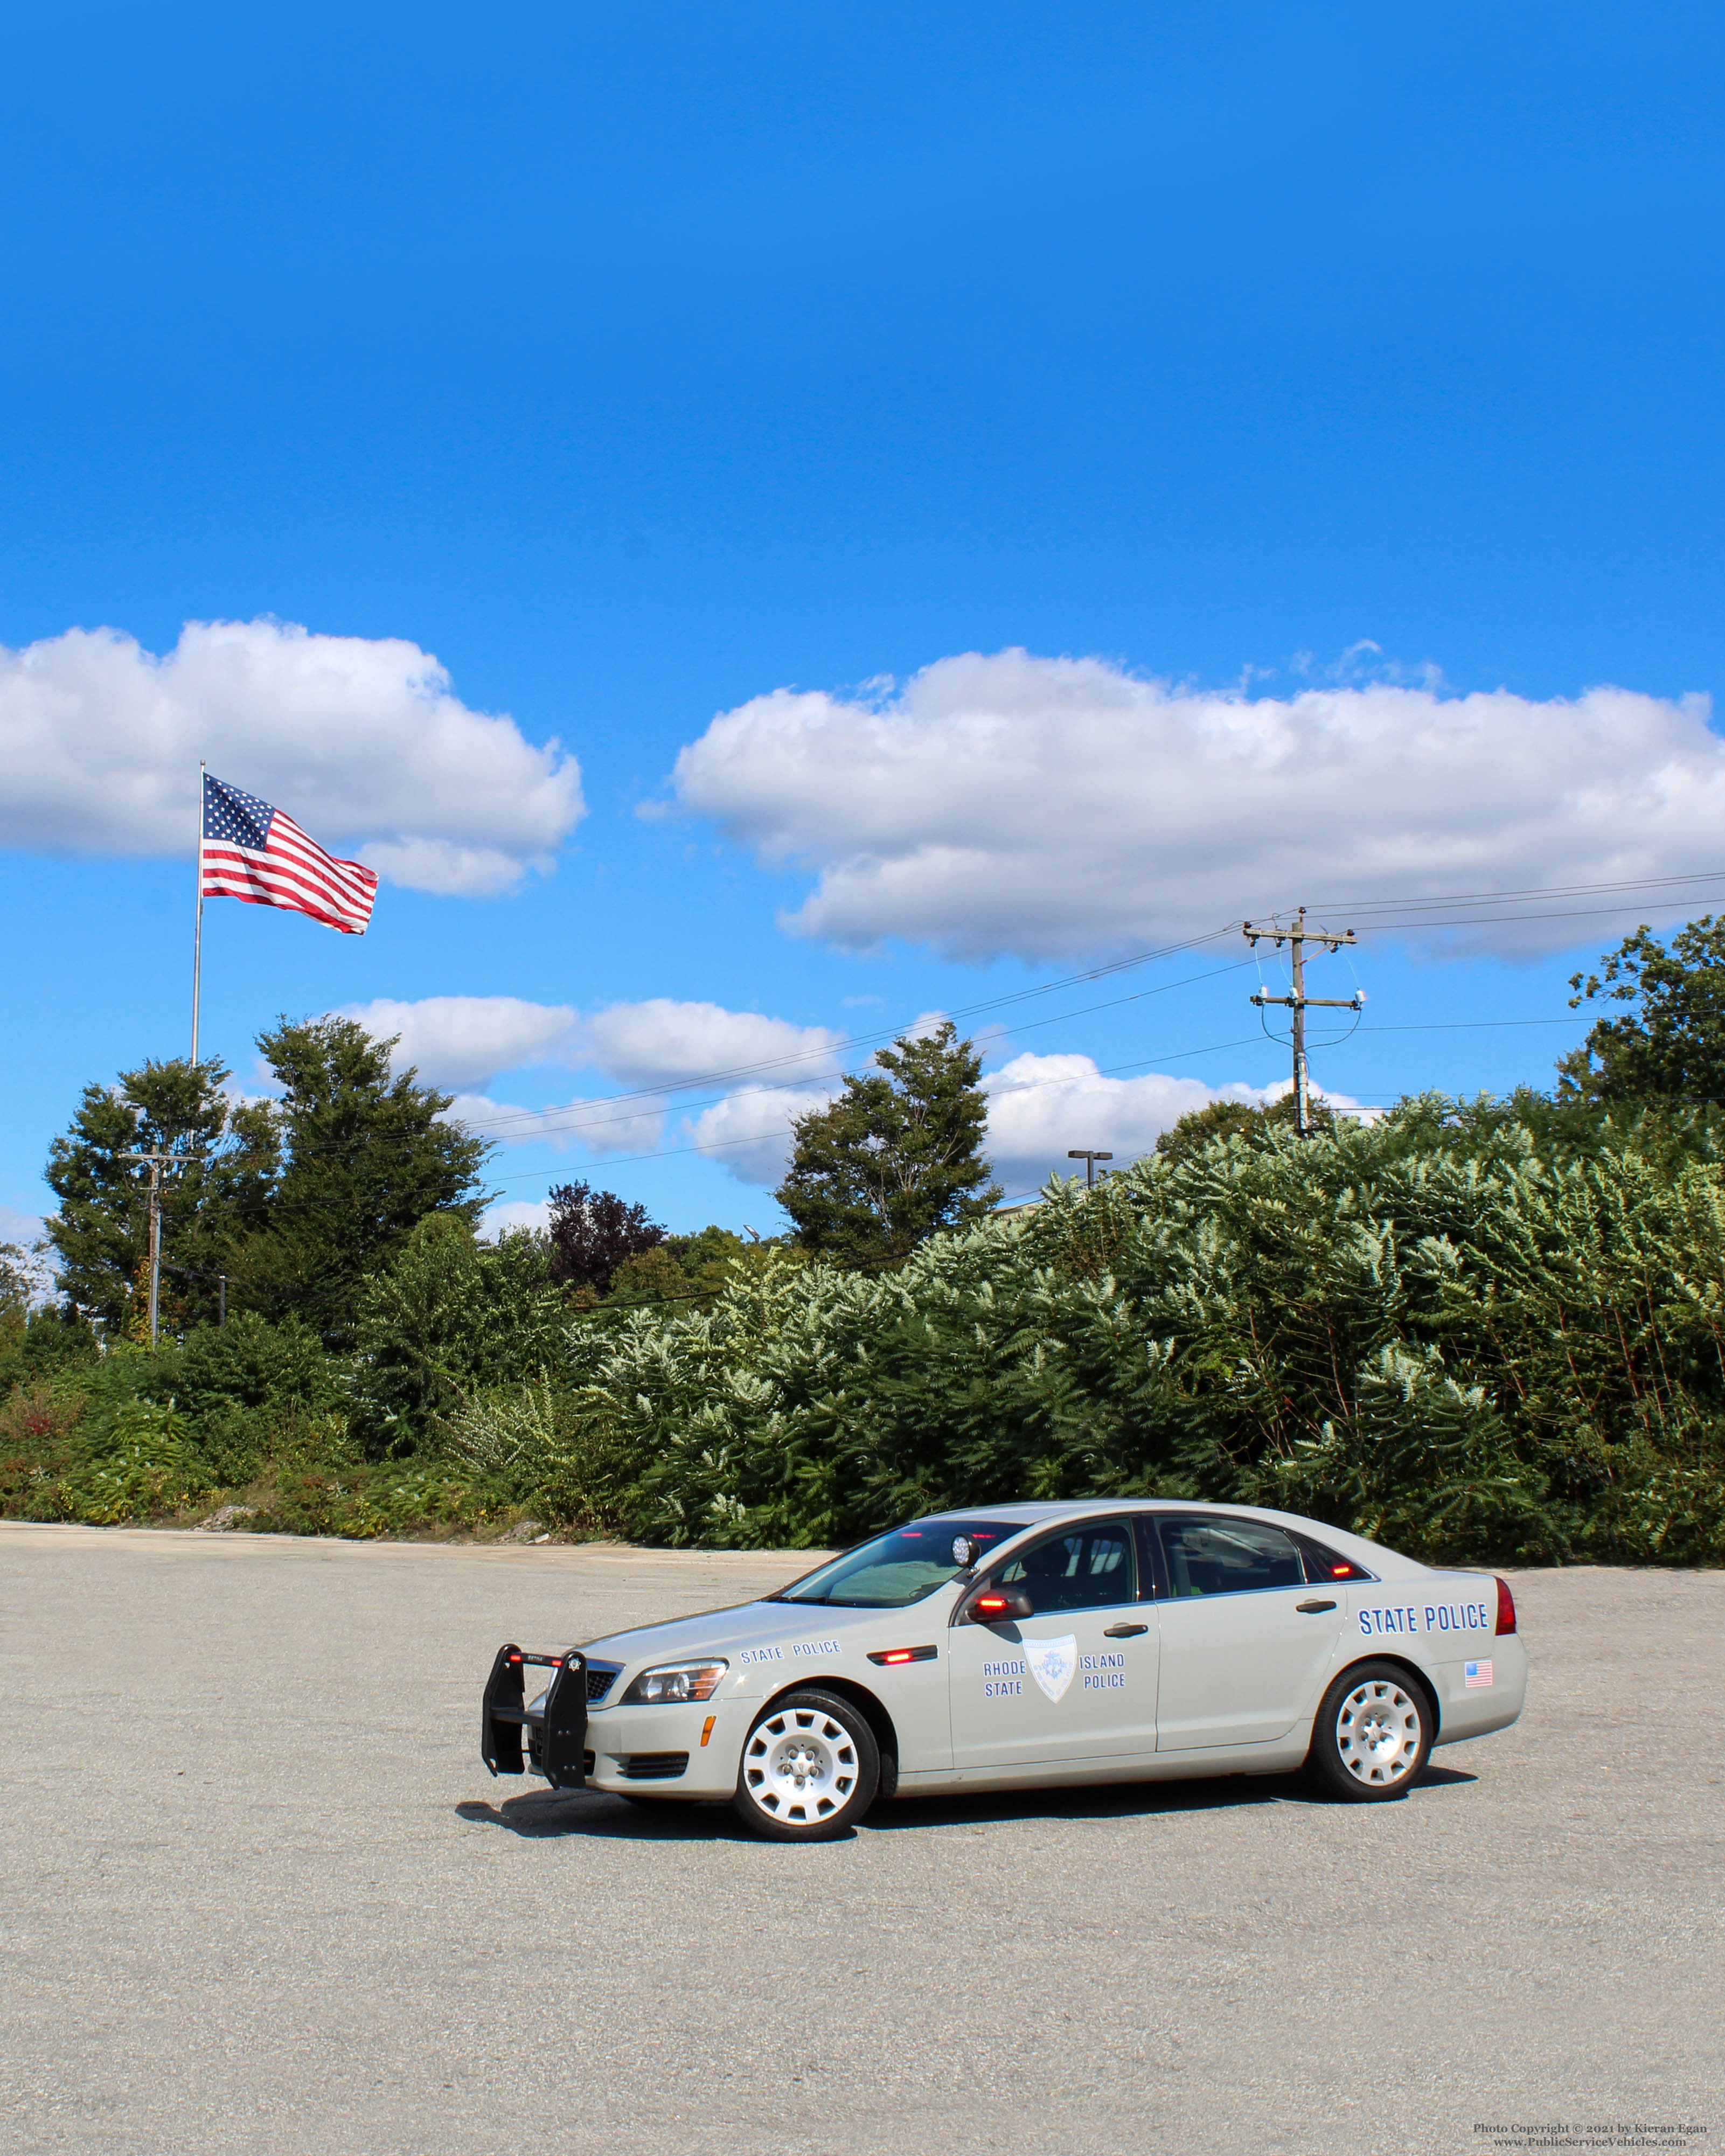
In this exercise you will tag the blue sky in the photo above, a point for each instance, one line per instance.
(1327, 366)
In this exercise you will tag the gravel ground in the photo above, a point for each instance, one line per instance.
(259, 1896)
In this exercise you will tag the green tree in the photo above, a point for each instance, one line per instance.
(652, 1276)
(216, 1191)
(1672, 1046)
(361, 1159)
(1224, 1119)
(897, 1158)
(452, 1315)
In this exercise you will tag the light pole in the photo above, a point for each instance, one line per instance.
(1090, 1160)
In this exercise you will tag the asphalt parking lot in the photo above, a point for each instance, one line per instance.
(259, 1894)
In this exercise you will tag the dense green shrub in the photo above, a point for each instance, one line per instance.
(1489, 1331)
(1430, 1330)
(452, 1315)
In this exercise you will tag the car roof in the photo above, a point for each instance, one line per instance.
(1040, 1510)
(1036, 1510)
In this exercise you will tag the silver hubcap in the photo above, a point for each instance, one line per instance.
(799, 1766)
(1377, 1733)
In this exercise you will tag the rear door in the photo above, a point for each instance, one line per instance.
(1075, 1681)
(1246, 1642)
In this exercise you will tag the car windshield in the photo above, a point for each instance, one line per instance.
(902, 1567)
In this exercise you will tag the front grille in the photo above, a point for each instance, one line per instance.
(652, 1766)
(598, 1683)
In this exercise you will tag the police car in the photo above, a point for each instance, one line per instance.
(1021, 1646)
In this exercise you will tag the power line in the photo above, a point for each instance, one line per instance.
(1530, 890)
(834, 1049)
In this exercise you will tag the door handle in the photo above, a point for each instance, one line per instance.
(1132, 1631)
(1304, 1608)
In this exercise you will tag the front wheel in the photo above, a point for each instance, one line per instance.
(1371, 1735)
(810, 1767)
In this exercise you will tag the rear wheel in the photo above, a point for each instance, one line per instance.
(810, 1767)
(1372, 1734)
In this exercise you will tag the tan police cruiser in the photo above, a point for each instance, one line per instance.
(1018, 1647)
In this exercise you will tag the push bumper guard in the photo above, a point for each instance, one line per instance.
(556, 1732)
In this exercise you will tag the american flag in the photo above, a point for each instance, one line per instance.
(252, 851)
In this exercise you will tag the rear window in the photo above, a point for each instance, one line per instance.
(1324, 1567)
(902, 1567)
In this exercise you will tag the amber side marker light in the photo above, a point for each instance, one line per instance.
(706, 1728)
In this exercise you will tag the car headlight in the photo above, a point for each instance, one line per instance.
(674, 1682)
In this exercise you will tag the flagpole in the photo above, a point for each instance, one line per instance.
(197, 935)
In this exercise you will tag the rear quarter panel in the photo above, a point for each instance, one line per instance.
(1445, 1623)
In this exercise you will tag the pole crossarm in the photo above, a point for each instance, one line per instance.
(1313, 1002)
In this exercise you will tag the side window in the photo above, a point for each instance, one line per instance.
(1228, 1557)
(1324, 1567)
(1087, 1568)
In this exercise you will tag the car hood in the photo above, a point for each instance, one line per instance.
(755, 1623)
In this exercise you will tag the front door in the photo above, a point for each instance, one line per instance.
(1076, 1681)
(1245, 1643)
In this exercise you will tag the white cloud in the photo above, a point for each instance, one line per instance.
(1038, 1107)
(461, 1041)
(595, 1126)
(23, 1229)
(1058, 807)
(1041, 1105)
(749, 1133)
(514, 1213)
(359, 739)
(661, 1042)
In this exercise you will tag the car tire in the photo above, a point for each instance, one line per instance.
(810, 1767)
(1372, 1734)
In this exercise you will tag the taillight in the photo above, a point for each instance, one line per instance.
(1506, 1609)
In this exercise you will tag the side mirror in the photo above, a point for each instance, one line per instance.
(994, 1605)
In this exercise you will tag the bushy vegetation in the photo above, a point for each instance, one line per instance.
(1488, 1332)
(1492, 1332)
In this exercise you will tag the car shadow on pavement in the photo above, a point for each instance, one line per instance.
(549, 1814)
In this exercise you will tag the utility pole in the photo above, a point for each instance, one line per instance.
(1090, 1160)
(1297, 938)
(155, 1161)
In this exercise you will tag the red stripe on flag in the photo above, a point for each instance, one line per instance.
(286, 836)
(278, 878)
